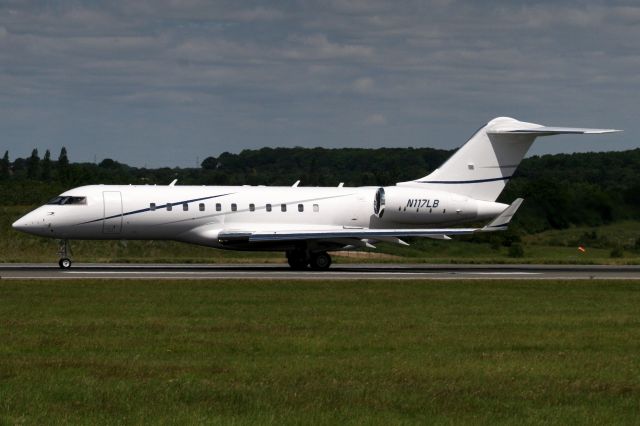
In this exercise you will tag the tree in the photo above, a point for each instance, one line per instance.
(46, 166)
(5, 166)
(108, 163)
(63, 165)
(209, 163)
(33, 165)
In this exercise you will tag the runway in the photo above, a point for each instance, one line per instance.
(337, 272)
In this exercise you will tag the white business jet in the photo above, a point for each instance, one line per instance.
(304, 222)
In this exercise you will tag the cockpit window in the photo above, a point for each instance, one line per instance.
(56, 200)
(76, 200)
(68, 200)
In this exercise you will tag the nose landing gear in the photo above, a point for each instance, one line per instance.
(64, 252)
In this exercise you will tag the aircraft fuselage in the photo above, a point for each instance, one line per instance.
(194, 213)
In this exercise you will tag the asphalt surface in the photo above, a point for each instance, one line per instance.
(337, 272)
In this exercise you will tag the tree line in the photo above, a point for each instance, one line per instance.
(559, 190)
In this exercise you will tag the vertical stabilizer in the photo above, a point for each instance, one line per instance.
(482, 167)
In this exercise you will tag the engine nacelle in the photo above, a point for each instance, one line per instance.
(407, 205)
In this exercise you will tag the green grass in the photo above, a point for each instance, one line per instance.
(624, 233)
(356, 352)
(461, 252)
(552, 247)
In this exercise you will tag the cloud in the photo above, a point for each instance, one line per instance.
(308, 72)
(375, 120)
(363, 85)
(318, 46)
(258, 14)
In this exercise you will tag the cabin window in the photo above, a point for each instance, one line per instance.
(218, 207)
(234, 207)
(300, 207)
(268, 207)
(252, 207)
(152, 207)
(185, 207)
(201, 207)
(316, 208)
(169, 207)
(283, 207)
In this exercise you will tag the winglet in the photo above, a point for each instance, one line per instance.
(503, 219)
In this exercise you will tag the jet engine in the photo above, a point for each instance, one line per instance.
(413, 206)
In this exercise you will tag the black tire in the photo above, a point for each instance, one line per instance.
(297, 260)
(297, 263)
(64, 263)
(320, 261)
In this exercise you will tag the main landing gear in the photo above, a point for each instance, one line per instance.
(299, 259)
(64, 252)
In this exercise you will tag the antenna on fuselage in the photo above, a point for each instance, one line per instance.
(295, 185)
(341, 184)
(173, 183)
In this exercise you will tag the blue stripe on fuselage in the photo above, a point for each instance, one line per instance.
(156, 208)
(455, 182)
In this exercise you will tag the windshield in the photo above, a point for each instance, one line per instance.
(68, 200)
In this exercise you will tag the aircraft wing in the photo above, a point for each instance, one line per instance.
(342, 233)
(346, 233)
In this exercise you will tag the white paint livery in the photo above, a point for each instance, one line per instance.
(305, 222)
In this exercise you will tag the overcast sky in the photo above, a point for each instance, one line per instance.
(168, 82)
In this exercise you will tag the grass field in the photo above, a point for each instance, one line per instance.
(354, 352)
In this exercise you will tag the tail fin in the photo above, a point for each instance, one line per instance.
(482, 167)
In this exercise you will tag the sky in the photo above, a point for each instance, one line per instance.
(171, 82)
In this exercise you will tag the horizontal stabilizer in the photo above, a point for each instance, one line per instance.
(548, 131)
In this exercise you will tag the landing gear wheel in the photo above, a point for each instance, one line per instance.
(320, 261)
(64, 251)
(297, 263)
(297, 260)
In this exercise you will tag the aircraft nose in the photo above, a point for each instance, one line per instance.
(20, 224)
(27, 223)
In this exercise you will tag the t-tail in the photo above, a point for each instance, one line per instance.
(482, 167)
